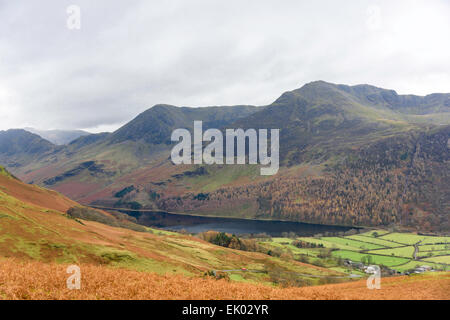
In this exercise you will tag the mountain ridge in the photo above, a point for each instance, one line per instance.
(58, 137)
(325, 131)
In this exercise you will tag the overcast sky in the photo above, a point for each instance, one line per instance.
(130, 55)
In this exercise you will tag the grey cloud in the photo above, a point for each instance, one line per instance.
(128, 56)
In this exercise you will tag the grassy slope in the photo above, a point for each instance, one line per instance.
(39, 230)
(113, 260)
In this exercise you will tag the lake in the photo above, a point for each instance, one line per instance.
(196, 224)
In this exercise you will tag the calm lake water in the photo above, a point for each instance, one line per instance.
(194, 224)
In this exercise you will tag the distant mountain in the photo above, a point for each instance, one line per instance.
(322, 120)
(88, 140)
(19, 147)
(156, 124)
(59, 137)
(410, 104)
(17, 141)
(352, 155)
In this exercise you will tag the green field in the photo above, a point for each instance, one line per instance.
(376, 259)
(381, 242)
(285, 244)
(393, 250)
(434, 247)
(441, 259)
(410, 239)
(353, 243)
(380, 232)
(427, 254)
(282, 240)
(433, 240)
(328, 244)
(406, 252)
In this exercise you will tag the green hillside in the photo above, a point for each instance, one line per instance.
(350, 155)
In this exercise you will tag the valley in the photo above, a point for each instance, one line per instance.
(228, 155)
(349, 155)
(362, 181)
(42, 232)
(35, 226)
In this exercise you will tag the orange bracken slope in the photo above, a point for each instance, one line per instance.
(37, 280)
(34, 195)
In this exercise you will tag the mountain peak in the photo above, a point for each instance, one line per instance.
(21, 142)
(156, 124)
(322, 92)
(58, 137)
(22, 134)
(311, 93)
(162, 106)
